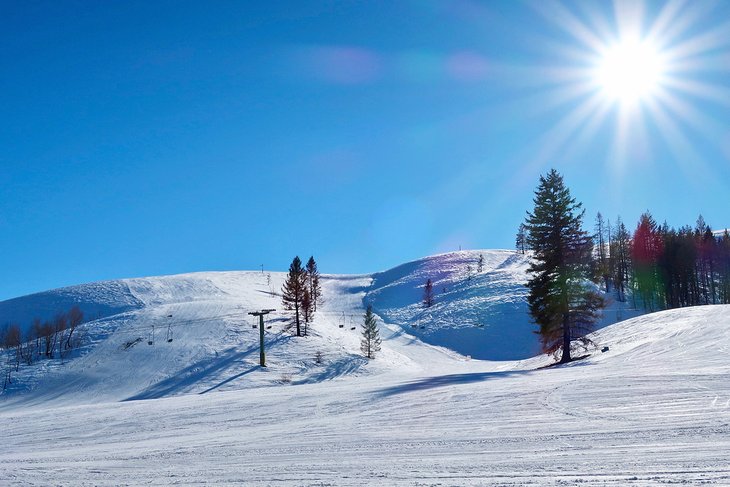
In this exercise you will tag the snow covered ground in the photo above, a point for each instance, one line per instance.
(654, 409)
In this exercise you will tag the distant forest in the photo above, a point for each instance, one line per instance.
(659, 267)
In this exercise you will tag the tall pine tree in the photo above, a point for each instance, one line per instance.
(428, 294)
(647, 248)
(315, 288)
(723, 246)
(307, 308)
(293, 291)
(521, 238)
(602, 252)
(620, 256)
(561, 299)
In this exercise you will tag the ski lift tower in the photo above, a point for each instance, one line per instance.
(260, 314)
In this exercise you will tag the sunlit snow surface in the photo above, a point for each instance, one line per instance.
(654, 409)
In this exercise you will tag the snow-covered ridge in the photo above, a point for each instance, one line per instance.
(486, 304)
(479, 313)
(214, 339)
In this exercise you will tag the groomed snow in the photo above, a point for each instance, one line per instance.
(654, 409)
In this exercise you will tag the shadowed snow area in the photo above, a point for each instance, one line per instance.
(482, 314)
(653, 409)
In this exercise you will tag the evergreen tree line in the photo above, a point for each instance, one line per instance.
(656, 266)
(302, 293)
(659, 267)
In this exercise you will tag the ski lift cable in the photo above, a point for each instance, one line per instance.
(347, 318)
(186, 322)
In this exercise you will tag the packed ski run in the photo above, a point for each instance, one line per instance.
(166, 388)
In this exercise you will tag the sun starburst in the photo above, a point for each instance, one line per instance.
(646, 71)
(630, 71)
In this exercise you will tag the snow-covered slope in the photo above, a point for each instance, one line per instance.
(652, 410)
(214, 345)
(479, 312)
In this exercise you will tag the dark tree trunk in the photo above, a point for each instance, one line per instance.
(296, 318)
(566, 341)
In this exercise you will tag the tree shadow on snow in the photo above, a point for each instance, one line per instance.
(230, 379)
(447, 380)
(200, 370)
(344, 366)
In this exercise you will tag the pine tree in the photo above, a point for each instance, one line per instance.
(307, 308)
(521, 239)
(315, 288)
(646, 249)
(724, 265)
(710, 251)
(370, 342)
(428, 294)
(480, 263)
(621, 258)
(560, 298)
(602, 252)
(293, 291)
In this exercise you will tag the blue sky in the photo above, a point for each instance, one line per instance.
(145, 138)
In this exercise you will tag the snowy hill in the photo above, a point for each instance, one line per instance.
(213, 343)
(652, 410)
(478, 313)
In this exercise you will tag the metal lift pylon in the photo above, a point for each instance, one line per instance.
(262, 353)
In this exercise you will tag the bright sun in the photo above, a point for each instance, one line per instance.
(630, 71)
(646, 69)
